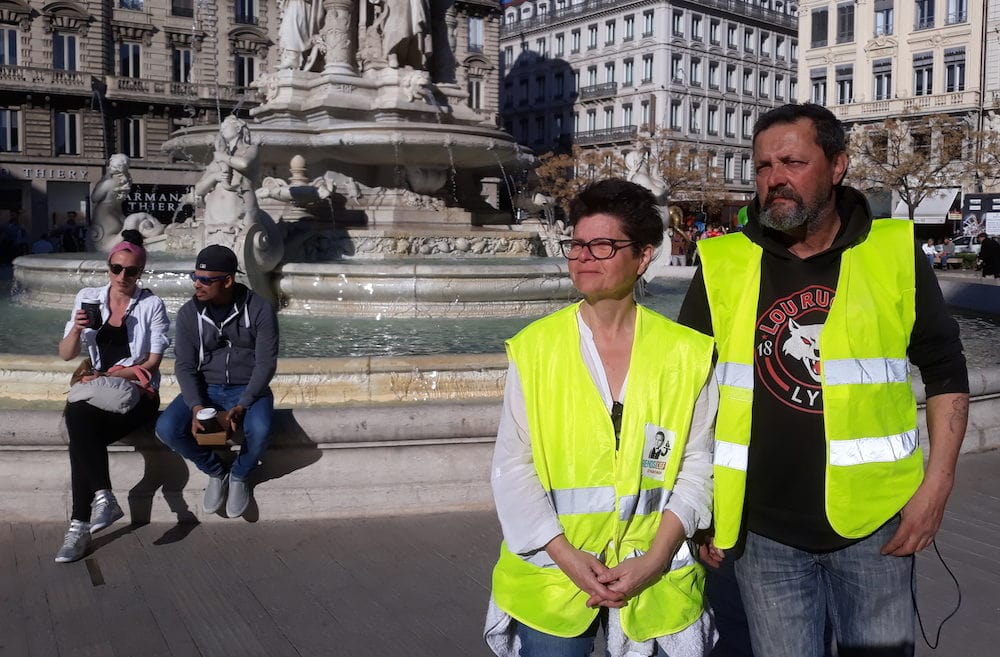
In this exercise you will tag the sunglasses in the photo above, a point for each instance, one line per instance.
(130, 272)
(207, 280)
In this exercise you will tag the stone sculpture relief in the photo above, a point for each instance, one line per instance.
(399, 33)
(298, 34)
(637, 171)
(106, 200)
(232, 217)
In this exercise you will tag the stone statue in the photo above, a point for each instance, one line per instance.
(403, 26)
(300, 22)
(106, 200)
(232, 217)
(637, 171)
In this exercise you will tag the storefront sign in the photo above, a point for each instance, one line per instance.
(43, 173)
(161, 201)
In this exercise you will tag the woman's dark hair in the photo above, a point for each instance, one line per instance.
(634, 207)
(830, 135)
(132, 236)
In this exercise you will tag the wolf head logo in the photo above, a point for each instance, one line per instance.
(803, 345)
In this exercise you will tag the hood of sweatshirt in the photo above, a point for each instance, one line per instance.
(855, 222)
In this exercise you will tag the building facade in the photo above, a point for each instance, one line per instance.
(908, 59)
(81, 80)
(600, 73)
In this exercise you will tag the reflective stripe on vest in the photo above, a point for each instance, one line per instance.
(884, 449)
(736, 375)
(731, 455)
(598, 499)
(649, 500)
(849, 371)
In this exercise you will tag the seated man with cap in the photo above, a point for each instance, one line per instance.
(226, 352)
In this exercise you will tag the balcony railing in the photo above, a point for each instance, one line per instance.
(26, 77)
(946, 102)
(596, 91)
(607, 136)
(588, 7)
(139, 88)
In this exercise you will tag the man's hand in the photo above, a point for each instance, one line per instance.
(235, 416)
(196, 426)
(920, 519)
(583, 569)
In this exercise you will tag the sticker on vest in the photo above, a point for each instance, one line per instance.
(656, 451)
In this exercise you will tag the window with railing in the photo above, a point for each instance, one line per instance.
(677, 23)
(883, 17)
(609, 33)
(882, 79)
(820, 30)
(246, 12)
(696, 31)
(748, 40)
(713, 120)
(923, 74)
(731, 37)
(675, 115)
(730, 122)
(9, 38)
(134, 5)
(729, 170)
(763, 85)
(695, 70)
(64, 49)
(628, 73)
(647, 24)
(184, 8)
(924, 14)
(130, 60)
(713, 32)
(627, 115)
(66, 133)
(845, 23)
(713, 75)
(560, 45)
(475, 89)
(954, 69)
(845, 84)
(694, 118)
(10, 130)
(817, 86)
(629, 28)
(475, 34)
(647, 68)
(591, 37)
(779, 87)
(958, 11)
(747, 124)
(730, 78)
(130, 136)
(574, 42)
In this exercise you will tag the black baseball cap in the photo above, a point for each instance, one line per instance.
(216, 257)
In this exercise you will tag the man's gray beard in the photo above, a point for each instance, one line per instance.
(786, 223)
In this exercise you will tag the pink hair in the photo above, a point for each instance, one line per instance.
(135, 249)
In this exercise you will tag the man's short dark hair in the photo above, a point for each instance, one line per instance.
(830, 135)
(634, 207)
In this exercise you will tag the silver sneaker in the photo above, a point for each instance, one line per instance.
(215, 494)
(76, 542)
(104, 511)
(239, 497)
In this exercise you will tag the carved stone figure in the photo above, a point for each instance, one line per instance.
(403, 26)
(232, 217)
(300, 22)
(106, 200)
(637, 171)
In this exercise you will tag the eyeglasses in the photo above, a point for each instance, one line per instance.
(130, 272)
(601, 248)
(207, 280)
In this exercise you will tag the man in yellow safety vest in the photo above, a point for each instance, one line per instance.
(821, 494)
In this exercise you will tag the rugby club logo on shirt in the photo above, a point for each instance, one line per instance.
(788, 347)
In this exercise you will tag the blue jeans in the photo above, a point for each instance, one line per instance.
(788, 594)
(539, 644)
(174, 430)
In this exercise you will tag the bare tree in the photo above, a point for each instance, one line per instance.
(911, 156)
(563, 175)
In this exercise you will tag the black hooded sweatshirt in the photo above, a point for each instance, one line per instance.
(786, 470)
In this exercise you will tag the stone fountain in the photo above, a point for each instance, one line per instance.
(390, 206)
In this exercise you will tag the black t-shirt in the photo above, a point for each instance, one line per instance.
(785, 498)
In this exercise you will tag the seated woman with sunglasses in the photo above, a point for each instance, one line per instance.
(602, 465)
(132, 333)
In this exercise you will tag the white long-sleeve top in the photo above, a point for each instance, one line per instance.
(527, 517)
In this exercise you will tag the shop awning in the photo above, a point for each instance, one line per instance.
(932, 210)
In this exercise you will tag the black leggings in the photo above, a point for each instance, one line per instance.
(91, 430)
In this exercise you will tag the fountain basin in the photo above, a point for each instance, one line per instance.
(491, 287)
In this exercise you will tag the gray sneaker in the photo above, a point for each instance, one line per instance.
(104, 511)
(76, 542)
(215, 494)
(239, 497)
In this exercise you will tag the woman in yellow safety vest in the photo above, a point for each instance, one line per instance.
(602, 466)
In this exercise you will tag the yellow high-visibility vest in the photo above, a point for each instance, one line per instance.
(874, 462)
(606, 504)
